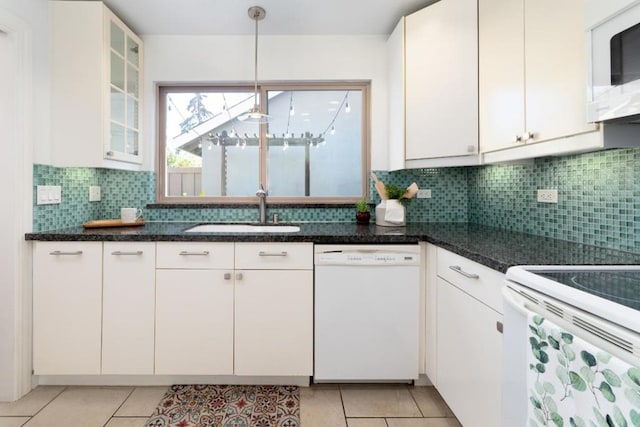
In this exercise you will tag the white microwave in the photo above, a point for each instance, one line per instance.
(614, 67)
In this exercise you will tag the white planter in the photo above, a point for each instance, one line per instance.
(390, 213)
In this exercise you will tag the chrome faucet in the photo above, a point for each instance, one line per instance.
(262, 204)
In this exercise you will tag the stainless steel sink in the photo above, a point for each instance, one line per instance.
(243, 228)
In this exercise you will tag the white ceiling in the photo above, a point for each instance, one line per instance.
(229, 17)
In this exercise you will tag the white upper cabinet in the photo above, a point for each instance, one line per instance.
(433, 86)
(96, 88)
(533, 78)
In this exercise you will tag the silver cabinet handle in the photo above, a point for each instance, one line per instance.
(65, 253)
(187, 253)
(238, 276)
(227, 276)
(528, 135)
(126, 253)
(262, 253)
(459, 270)
(499, 327)
(518, 138)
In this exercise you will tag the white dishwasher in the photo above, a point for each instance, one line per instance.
(366, 313)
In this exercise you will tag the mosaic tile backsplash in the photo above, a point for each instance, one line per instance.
(598, 198)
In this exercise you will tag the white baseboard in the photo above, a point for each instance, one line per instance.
(160, 380)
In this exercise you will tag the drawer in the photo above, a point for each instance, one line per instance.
(197, 255)
(486, 287)
(274, 256)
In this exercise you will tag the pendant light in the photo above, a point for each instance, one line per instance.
(254, 115)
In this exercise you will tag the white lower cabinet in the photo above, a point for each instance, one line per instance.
(469, 357)
(274, 322)
(194, 322)
(128, 307)
(468, 338)
(67, 308)
(234, 309)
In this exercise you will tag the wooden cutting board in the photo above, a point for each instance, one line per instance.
(106, 223)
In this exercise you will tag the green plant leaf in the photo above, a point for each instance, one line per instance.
(600, 418)
(550, 404)
(577, 382)
(612, 378)
(540, 416)
(562, 375)
(577, 422)
(587, 374)
(606, 391)
(619, 417)
(543, 345)
(535, 344)
(588, 358)
(603, 357)
(540, 368)
(554, 343)
(538, 320)
(557, 419)
(539, 388)
(549, 388)
(634, 374)
(533, 330)
(567, 337)
(635, 417)
(568, 351)
(633, 396)
(535, 402)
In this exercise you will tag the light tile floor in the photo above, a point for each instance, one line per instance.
(320, 405)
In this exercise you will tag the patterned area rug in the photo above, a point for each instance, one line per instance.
(228, 406)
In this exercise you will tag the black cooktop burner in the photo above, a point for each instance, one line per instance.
(622, 287)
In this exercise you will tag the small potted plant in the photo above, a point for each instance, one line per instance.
(362, 212)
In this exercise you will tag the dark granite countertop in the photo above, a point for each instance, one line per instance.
(495, 248)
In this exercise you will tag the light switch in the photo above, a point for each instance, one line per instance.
(94, 193)
(49, 194)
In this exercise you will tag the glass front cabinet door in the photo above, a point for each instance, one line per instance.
(125, 70)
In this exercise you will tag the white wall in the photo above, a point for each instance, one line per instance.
(24, 118)
(36, 14)
(174, 59)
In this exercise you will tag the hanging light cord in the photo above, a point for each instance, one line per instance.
(344, 100)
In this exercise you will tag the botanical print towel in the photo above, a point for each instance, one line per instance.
(572, 383)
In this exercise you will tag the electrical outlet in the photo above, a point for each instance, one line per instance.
(48, 194)
(94, 193)
(424, 194)
(548, 196)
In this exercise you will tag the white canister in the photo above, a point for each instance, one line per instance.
(391, 213)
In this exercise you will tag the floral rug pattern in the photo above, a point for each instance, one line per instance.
(228, 406)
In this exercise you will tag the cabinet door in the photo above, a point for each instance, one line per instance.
(555, 64)
(441, 80)
(396, 91)
(123, 56)
(194, 322)
(274, 322)
(501, 68)
(469, 357)
(128, 308)
(67, 302)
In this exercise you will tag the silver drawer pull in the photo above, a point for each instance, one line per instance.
(499, 327)
(194, 253)
(126, 253)
(239, 276)
(459, 270)
(227, 276)
(262, 253)
(65, 253)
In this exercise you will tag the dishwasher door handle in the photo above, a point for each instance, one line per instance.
(459, 270)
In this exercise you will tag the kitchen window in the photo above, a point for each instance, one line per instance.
(313, 149)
